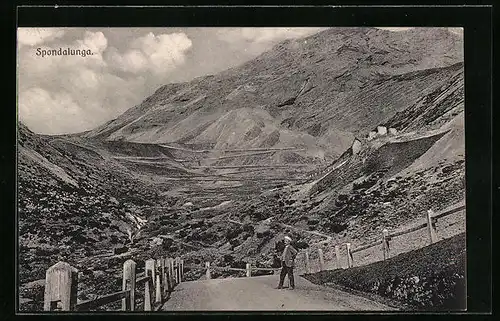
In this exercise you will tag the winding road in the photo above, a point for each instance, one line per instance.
(258, 293)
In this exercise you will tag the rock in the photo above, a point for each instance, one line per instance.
(393, 131)
(156, 241)
(371, 135)
(120, 249)
(356, 147)
(381, 130)
(263, 230)
(447, 169)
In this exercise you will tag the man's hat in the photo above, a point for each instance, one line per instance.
(288, 238)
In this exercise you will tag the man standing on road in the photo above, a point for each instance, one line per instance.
(287, 263)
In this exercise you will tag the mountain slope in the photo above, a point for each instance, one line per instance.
(207, 168)
(344, 81)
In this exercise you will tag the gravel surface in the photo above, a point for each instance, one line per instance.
(258, 293)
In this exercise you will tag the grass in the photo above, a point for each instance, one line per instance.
(431, 278)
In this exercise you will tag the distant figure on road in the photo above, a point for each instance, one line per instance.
(287, 263)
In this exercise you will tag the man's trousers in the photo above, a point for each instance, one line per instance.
(284, 271)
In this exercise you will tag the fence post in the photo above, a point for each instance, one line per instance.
(149, 285)
(61, 286)
(163, 276)
(147, 294)
(337, 256)
(308, 265)
(321, 260)
(249, 270)
(182, 269)
(209, 275)
(172, 276)
(172, 267)
(385, 244)
(168, 280)
(151, 269)
(431, 226)
(129, 284)
(169, 272)
(179, 269)
(159, 277)
(176, 269)
(158, 289)
(349, 255)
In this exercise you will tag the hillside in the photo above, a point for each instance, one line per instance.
(343, 80)
(412, 278)
(334, 134)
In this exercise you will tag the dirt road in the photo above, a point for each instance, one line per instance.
(258, 293)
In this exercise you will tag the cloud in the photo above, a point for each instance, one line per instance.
(46, 112)
(36, 36)
(63, 94)
(155, 53)
(95, 41)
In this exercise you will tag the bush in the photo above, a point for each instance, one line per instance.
(120, 249)
(232, 233)
(167, 243)
(228, 258)
(248, 228)
(312, 221)
(300, 245)
(335, 226)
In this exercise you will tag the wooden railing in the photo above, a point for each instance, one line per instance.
(209, 268)
(162, 275)
(430, 221)
(159, 279)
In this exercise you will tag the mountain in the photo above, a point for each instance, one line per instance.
(344, 81)
(334, 133)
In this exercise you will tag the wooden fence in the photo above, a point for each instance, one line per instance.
(159, 279)
(160, 276)
(209, 268)
(430, 221)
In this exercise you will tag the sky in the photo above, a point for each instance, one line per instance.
(68, 94)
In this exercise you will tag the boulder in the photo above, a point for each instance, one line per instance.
(263, 230)
(393, 131)
(156, 241)
(381, 130)
(120, 249)
(356, 147)
(371, 135)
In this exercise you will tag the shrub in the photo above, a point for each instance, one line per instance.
(248, 228)
(312, 221)
(232, 233)
(335, 226)
(167, 243)
(264, 234)
(120, 249)
(300, 245)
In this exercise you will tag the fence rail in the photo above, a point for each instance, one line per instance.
(159, 279)
(162, 275)
(208, 267)
(430, 221)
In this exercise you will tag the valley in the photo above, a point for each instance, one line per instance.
(326, 138)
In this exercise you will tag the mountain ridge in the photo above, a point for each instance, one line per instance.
(184, 112)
